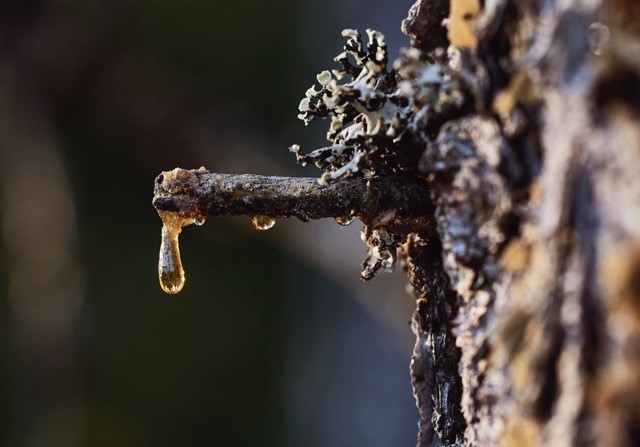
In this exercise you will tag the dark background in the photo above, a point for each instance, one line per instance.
(274, 339)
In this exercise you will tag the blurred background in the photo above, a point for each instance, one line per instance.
(274, 340)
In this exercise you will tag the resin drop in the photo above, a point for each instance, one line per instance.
(598, 36)
(170, 269)
(263, 222)
(345, 220)
(200, 220)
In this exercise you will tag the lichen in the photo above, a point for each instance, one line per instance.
(382, 250)
(375, 114)
(374, 108)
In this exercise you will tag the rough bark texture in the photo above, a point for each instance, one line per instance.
(537, 196)
(434, 365)
(424, 24)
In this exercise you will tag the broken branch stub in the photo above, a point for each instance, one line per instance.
(400, 204)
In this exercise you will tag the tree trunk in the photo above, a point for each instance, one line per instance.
(528, 318)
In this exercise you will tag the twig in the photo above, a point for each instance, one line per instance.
(399, 203)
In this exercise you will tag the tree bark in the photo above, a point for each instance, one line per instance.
(537, 208)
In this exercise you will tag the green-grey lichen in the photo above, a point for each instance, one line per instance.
(375, 114)
(434, 88)
(382, 250)
(366, 116)
(372, 108)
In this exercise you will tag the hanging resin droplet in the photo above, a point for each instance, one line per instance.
(170, 269)
(200, 220)
(263, 222)
(346, 219)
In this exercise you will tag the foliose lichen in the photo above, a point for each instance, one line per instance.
(379, 119)
(374, 109)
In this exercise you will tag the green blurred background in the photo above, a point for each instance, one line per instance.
(274, 339)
